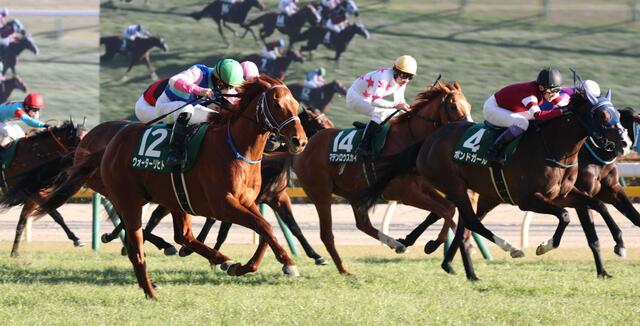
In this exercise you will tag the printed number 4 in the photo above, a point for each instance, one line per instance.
(473, 143)
(151, 151)
(344, 143)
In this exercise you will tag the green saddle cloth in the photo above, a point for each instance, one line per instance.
(476, 141)
(153, 148)
(343, 147)
(8, 153)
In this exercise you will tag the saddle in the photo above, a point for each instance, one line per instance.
(343, 147)
(476, 141)
(281, 20)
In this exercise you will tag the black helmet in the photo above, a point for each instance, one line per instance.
(549, 78)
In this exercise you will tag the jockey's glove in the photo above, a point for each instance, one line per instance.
(46, 126)
(564, 110)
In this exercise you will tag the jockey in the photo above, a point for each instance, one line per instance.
(9, 31)
(249, 71)
(514, 105)
(288, 7)
(28, 111)
(367, 92)
(272, 51)
(226, 6)
(315, 78)
(589, 86)
(198, 80)
(4, 12)
(145, 108)
(338, 19)
(131, 33)
(330, 4)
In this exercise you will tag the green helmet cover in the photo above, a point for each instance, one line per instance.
(230, 72)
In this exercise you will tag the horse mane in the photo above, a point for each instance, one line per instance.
(425, 97)
(45, 132)
(250, 90)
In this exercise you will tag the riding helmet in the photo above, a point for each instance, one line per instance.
(230, 72)
(34, 100)
(406, 64)
(549, 78)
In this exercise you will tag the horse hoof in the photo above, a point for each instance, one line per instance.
(431, 246)
(291, 271)
(225, 265)
(170, 251)
(321, 261)
(604, 275)
(155, 286)
(404, 242)
(78, 243)
(401, 249)
(184, 252)
(105, 238)
(473, 278)
(232, 269)
(517, 253)
(447, 268)
(123, 251)
(620, 251)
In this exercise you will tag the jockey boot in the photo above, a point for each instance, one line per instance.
(364, 150)
(495, 152)
(178, 153)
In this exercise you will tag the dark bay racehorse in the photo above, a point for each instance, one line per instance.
(10, 57)
(139, 49)
(237, 14)
(339, 42)
(276, 68)
(49, 145)
(275, 178)
(318, 97)
(437, 106)
(549, 168)
(8, 85)
(266, 106)
(293, 25)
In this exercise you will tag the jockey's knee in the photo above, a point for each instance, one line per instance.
(521, 122)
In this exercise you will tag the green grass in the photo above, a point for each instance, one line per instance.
(491, 44)
(66, 70)
(54, 284)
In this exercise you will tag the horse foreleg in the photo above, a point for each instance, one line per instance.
(222, 33)
(152, 72)
(586, 221)
(616, 196)
(539, 204)
(223, 232)
(202, 236)
(60, 220)
(184, 235)
(224, 23)
(282, 205)
(15, 250)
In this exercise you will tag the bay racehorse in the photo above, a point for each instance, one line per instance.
(8, 85)
(293, 24)
(26, 173)
(266, 106)
(549, 167)
(10, 57)
(237, 14)
(275, 68)
(437, 106)
(317, 97)
(275, 178)
(338, 42)
(138, 50)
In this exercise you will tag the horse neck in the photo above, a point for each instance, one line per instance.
(564, 140)
(243, 11)
(348, 34)
(20, 46)
(419, 128)
(247, 136)
(41, 149)
(10, 84)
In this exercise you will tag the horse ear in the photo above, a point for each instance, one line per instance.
(71, 120)
(84, 121)
(608, 96)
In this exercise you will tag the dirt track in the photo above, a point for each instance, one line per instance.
(505, 221)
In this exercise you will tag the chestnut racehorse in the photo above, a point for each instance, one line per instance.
(437, 106)
(549, 168)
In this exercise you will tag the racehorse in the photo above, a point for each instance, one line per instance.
(275, 178)
(229, 157)
(549, 168)
(437, 106)
(138, 50)
(237, 14)
(293, 24)
(338, 42)
(8, 85)
(49, 145)
(276, 68)
(325, 13)
(318, 97)
(10, 56)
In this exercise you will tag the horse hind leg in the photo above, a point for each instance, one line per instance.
(202, 236)
(15, 250)
(586, 221)
(60, 220)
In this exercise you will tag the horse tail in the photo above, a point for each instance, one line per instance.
(103, 40)
(75, 177)
(30, 182)
(392, 167)
(197, 15)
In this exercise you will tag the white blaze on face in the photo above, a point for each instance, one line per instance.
(626, 139)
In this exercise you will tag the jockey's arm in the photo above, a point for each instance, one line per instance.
(187, 81)
(28, 120)
(398, 95)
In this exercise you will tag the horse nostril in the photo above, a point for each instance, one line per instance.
(295, 141)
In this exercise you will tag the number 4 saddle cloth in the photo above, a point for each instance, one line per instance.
(153, 147)
(476, 141)
(343, 147)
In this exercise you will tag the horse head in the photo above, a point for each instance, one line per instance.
(20, 84)
(601, 120)
(350, 7)
(30, 44)
(294, 55)
(361, 30)
(312, 15)
(440, 104)
(276, 110)
(159, 42)
(337, 87)
(313, 121)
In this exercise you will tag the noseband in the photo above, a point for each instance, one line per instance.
(264, 117)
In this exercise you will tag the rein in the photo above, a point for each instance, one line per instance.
(549, 156)
(57, 140)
